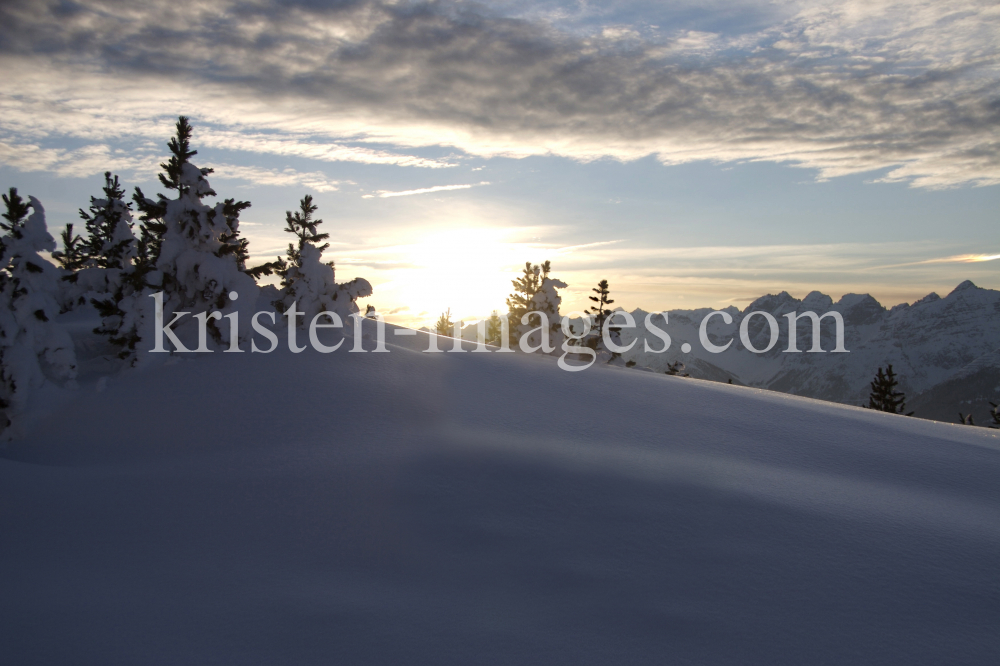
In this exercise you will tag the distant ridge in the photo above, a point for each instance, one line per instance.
(945, 350)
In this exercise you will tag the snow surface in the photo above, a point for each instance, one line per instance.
(485, 508)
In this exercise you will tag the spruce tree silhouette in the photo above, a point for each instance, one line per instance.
(884, 397)
(600, 312)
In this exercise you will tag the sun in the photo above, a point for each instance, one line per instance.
(467, 270)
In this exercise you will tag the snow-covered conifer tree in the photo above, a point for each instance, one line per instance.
(95, 262)
(535, 291)
(110, 242)
(106, 269)
(126, 308)
(306, 280)
(32, 344)
(676, 369)
(198, 255)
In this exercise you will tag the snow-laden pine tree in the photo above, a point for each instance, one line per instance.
(306, 280)
(110, 242)
(535, 291)
(33, 345)
(884, 397)
(196, 250)
(105, 269)
(125, 308)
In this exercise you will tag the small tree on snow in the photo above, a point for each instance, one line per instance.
(306, 280)
(884, 397)
(601, 313)
(444, 323)
(494, 329)
(676, 369)
(32, 343)
(995, 414)
(966, 419)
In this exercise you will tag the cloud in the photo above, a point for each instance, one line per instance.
(315, 180)
(385, 194)
(570, 248)
(908, 87)
(80, 162)
(304, 145)
(963, 259)
(954, 259)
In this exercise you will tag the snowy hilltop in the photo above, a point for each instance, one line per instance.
(929, 343)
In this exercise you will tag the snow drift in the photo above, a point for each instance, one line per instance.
(411, 508)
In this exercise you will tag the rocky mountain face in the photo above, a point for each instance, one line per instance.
(945, 351)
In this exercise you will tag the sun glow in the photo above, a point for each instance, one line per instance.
(467, 270)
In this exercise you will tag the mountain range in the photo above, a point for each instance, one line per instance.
(945, 351)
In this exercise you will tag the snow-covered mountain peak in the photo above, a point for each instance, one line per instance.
(817, 301)
(772, 303)
(964, 286)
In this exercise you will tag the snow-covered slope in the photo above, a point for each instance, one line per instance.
(412, 508)
(927, 342)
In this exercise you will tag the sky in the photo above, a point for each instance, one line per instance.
(694, 154)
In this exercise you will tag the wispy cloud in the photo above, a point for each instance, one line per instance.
(315, 180)
(312, 147)
(570, 248)
(964, 259)
(954, 259)
(385, 194)
(84, 161)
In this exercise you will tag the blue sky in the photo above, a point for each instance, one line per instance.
(692, 154)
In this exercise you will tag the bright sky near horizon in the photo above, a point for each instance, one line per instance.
(693, 153)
